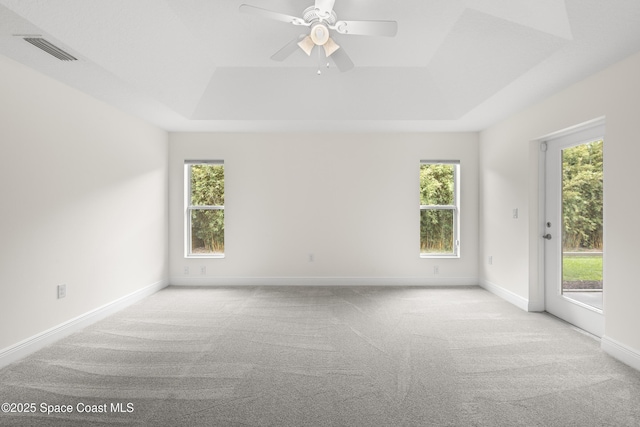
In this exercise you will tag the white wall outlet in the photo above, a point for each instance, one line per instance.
(203, 270)
(62, 291)
(185, 271)
(490, 260)
(515, 213)
(311, 257)
(436, 269)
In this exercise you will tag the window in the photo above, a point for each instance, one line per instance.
(439, 209)
(204, 183)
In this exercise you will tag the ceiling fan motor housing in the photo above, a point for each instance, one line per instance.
(312, 15)
(319, 34)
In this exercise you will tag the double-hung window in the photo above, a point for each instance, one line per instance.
(439, 208)
(204, 216)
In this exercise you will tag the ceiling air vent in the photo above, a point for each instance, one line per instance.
(51, 49)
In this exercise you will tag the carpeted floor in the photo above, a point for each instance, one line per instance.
(324, 356)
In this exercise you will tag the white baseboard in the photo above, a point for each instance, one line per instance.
(536, 306)
(32, 344)
(323, 281)
(506, 295)
(621, 352)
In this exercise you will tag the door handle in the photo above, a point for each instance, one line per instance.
(547, 236)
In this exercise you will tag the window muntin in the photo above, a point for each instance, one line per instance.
(205, 208)
(439, 209)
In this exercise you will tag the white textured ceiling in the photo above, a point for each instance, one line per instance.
(455, 65)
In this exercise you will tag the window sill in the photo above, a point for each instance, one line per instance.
(204, 256)
(431, 256)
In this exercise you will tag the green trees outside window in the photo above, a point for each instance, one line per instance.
(438, 208)
(582, 195)
(206, 208)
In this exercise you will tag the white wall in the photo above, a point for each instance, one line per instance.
(351, 200)
(509, 178)
(83, 201)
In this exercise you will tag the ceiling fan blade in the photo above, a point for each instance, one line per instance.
(288, 49)
(246, 8)
(325, 6)
(342, 60)
(367, 28)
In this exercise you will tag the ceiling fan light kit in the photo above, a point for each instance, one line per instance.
(321, 18)
(307, 45)
(319, 34)
(329, 47)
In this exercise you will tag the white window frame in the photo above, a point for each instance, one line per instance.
(455, 208)
(189, 208)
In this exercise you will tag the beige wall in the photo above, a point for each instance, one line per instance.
(509, 179)
(83, 191)
(351, 200)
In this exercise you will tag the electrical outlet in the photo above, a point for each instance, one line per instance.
(490, 260)
(203, 270)
(62, 291)
(310, 257)
(186, 271)
(436, 269)
(515, 213)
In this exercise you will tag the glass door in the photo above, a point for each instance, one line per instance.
(582, 246)
(573, 234)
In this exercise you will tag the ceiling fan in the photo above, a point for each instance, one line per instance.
(321, 18)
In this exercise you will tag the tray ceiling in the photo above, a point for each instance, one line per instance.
(455, 65)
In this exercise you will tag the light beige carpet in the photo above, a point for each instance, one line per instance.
(324, 356)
